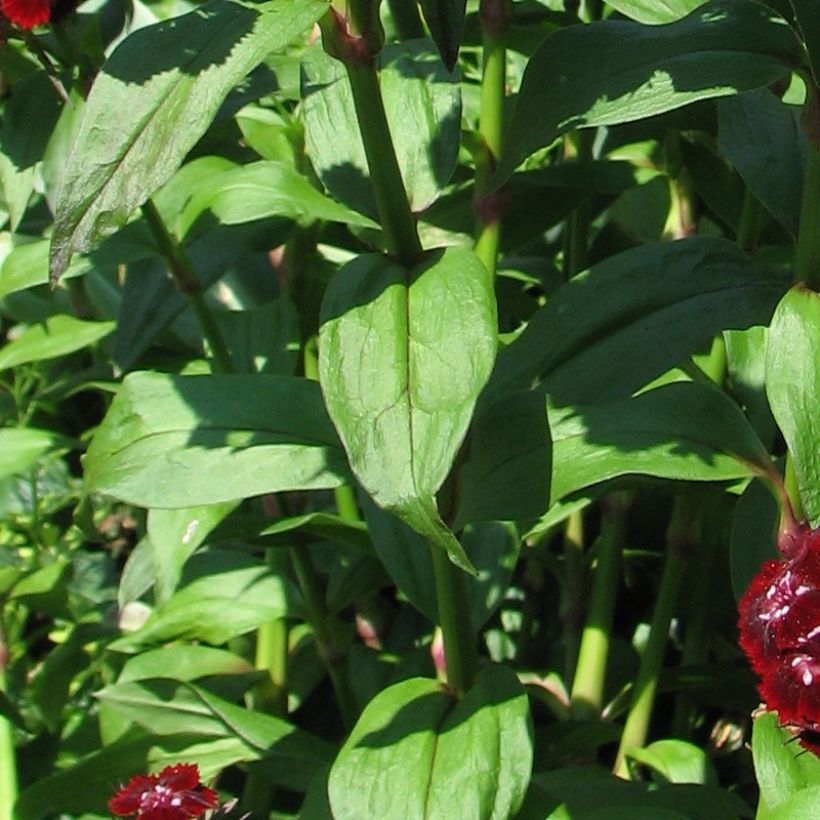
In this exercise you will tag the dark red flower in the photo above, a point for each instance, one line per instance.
(173, 794)
(780, 634)
(26, 13)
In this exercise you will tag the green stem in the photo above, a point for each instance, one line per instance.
(398, 224)
(330, 652)
(792, 489)
(646, 682)
(490, 126)
(460, 652)
(576, 237)
(807, 260)
(572, 609)
(590, 675)
(407, 19)
(8, 757)
(188, 283)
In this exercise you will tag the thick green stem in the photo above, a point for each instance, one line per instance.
(460, 652)
(398, 224)
(679, 541)
(188, 283)
(320, 621)
(490, 125)
(8, 758)
(572, 605)
(576, 230)
(407, 19)
(590, 675)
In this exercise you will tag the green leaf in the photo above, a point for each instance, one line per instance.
(445, 19)
(183, 663)
(493, 549)
(805, 12)
(231, 594)
(682, 431)
(100, 772)
(174, 536)
(613, 71)
(677, 761)
(21, 448)
(800, 806)
(169, 707)
(467, 758)
(152, 101)
(583, 791)
(782, 770)
(400, 384)
(506, 476)
(260, 190)
(29, 116)
(653, 12)
(185, 441)
(611, 330)
(57, 336)
(793, 387)
(762, 138)
(423, 107)
(754, 535)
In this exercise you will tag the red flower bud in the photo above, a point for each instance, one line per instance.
(780, 634)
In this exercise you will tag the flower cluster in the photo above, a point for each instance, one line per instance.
(175, 793)
(780, 633)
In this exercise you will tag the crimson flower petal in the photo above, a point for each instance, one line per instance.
(780, 633)
(26, 13)
(175, 793)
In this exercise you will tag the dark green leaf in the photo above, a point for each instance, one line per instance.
(152, 101)
(612, 71)
(506, 476)
(754, 535)
(805, 12)
(467, 758)
(676, 761)
(491, 547)
(184, 441)
(682, 431)
(610, 331)
(399, 383)
(423, 106)
(762, 138)
(29, 115)
(445, 19)
(793, 387)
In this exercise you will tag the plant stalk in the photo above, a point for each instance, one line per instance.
(494, 15)
(590, 675)
(454, 619)
(398, 224)
(679, 544)
(189, 284)
(319, 617)
(8, 757)
(572, 606)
